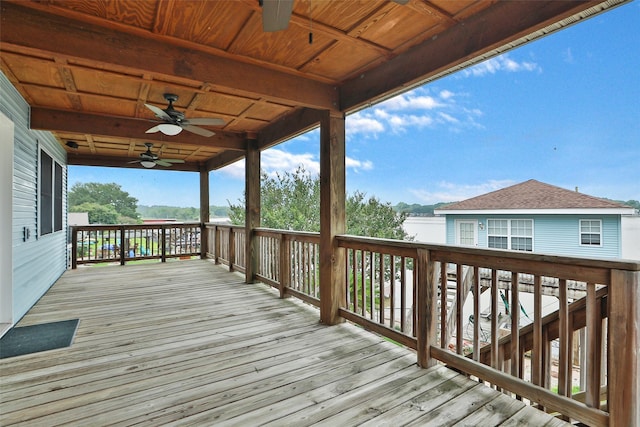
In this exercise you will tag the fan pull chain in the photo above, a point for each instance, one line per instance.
(310, 25)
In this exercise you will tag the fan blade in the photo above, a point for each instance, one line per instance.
(400, 1)
(153, 130)
(162, 163)
(160, 113)
(135, 161)
(198, 131)
(173, 160)
(204, 121)
(276, 14)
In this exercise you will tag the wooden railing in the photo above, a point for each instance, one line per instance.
(121, 243)
(226, 245)
(395, 288)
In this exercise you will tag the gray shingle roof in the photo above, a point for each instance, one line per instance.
(533, 194)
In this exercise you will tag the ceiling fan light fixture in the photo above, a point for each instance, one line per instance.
(148, 164)
(169, 129)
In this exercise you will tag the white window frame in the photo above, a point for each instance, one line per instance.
(510, 233)
(580, 233)
(475, 231)
(54, 203)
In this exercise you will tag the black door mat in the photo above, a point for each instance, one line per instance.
(36, 338)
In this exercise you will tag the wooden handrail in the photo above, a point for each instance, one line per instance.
(127, 242)
(383, 276)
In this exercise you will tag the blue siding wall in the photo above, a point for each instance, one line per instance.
(40, 260)
(555, 234)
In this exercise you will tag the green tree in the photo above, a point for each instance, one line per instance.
(291, 201)
(98, 214)
(105, 195)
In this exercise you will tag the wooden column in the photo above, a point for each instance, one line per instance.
(204, 212)
(252, 206)
(624, 349)
(332, 217)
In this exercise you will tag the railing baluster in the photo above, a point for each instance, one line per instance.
(495, 311)
(444, 321)
(536, 352)
(563, 351)
(515, 326)
(458, 313)
(476, 314)
(594, 336)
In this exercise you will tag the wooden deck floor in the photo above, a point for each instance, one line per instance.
(188, 343)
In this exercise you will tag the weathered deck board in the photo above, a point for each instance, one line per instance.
(188, 343)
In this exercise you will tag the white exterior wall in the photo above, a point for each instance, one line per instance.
(631, 237)
(427, 229)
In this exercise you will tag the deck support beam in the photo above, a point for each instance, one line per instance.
(204, 212)
(332, 216)
(252, 213)
(624, 349)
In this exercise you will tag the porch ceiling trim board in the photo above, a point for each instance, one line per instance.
(485, 32)
(118, 162)
(73, 39)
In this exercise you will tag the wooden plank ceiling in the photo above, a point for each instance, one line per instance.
(87, 67)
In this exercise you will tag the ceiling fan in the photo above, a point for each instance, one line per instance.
(174, 120)
(150, 160)
(277, 13)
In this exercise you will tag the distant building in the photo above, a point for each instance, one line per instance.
(536, 217)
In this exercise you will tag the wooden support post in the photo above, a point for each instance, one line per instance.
(624, 349)
(204, 212)
(426, 309)
(252, 214)
(332, 217)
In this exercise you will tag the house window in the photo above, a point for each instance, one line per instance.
(590, 232)
(514, 234)
(50, 194)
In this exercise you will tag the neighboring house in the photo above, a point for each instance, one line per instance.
(536, 217)
(33, 209)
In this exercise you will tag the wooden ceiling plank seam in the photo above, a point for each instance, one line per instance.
(143, 94)
(194, 153)
(76, 122)
(75, 38)
(492, 28)
(426, 6)
(92, 145)
(69, 83)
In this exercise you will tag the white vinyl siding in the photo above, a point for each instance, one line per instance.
(514, 234)
(590, 232)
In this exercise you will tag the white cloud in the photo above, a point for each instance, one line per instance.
(451, 192)
(358, 165)
(446, 94)
(363, 123)
(498, 64)
(275, 160)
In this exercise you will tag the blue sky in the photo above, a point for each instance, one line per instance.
(564, 110)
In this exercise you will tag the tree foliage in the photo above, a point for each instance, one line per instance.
(104, 195)
(98, 214)
(291, 201)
